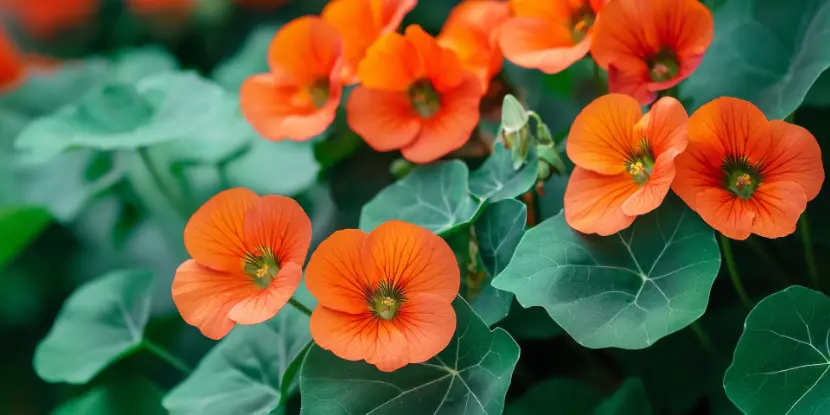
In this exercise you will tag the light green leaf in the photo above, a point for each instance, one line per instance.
(249, 372)
(131, 397)
(768, 52)
(566, 395)
(285, 167)
(626, 290)
(249, 60)
(435, 197)
(497, 180)
(629, 399)
(230, 136)
(20, 226)
(133, 65)
(470, 376)
(782, 360)
(99, 323)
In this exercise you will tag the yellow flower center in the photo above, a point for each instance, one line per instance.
(385, 301)
(641, 163)
(581, 22)
(261, 266)
(663, 66)
(743, 181)
(319, 92)
(424, 98)
(742, 176)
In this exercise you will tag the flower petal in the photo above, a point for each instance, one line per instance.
(625, 35)
(384, 119)
(441, 66)
(334, 274)
(794, 156)
(650, 195)
(698, 169)
(731, 126)
(391, 63)
(263, 304)
(665, 126)
(536, 43)
(413, 258)
(428, 323)
(305, 50)
(279, 224)
(354, 21)
(602, 135)
(727, 213)
(593, 201)
(685, 25)
(204, 297)
(214, 234)
(777, 207)
(634, 83)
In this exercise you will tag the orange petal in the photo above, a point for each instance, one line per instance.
(602, 134)
(794, 156)
(359, 337)
(334, 275)
(727, 213)
(665, 126)
(391, 63)
(214, 234)
(204, 297)
(593, 201)
(441, 66)
(305, 50)
(697, 169)
(12, 70)
(354, 21)
(625, 35)
(262, 304)
(279, 111)
(686, 26)
(278, 223)
(650, 195)
(554, 11)
(451, 127)
(412, 258)
(632, 83)
(731, 126)
(385, 119)
(777, 207)
(536, 43)
(428, 323)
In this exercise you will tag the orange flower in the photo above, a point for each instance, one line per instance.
(384, 297)
(248, 253)
(361, 23)
(744, 174)
(46, 18)
(299, 98)
(415, 96)
(12, 68)
(549, 35)
(624, 161)
(471, 31)
(651, 45)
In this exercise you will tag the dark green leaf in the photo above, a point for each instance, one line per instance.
(567, 396)
(626, 290)
(435, 197)
(532, 323)
(496, 180)
(819, 95)
(629, 399)
(98, 324)
(470, 376)
(782, 360)
(19, 226)
(132, 397)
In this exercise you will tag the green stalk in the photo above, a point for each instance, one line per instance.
(159, 182)
(733, 272)
(163, 354)
(299, 306)
(704, 338)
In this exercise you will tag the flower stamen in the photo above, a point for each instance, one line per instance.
(262, 267)
(426, 101)
(386, 300)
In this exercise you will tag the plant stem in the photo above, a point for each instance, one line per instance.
(532, 209)
(159, 182)
(809, 254)
(601, 88)
(299, 306)
(704, 338)
(163, 354)
(733, 272)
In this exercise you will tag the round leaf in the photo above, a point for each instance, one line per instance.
(285, 167)
(782, 360)
(19, 227)
(99, 323)
(626, 290)
(497, 180)
(629, 399)
(470, 376)
(566, 395)
(133, 397)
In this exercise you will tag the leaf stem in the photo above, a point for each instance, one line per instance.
(163, 354)
(299, 306)
(809, 254)
(733, 272)
(159, 182)
(532, 208)
(704, 338)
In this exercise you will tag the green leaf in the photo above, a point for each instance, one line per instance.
(768, 52)
(629, 399)
(497, 180)
(532, 323)
(470, 376)
(782, 360)
(99, 323)
(435, 197)
(120, 116)
(626, 290)
(285, 167)
(20, 226)
(819, 94)
(248, 372)
(566, 395)
(249, 60)
(131, 397)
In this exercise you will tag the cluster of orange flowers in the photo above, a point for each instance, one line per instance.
(384, 297)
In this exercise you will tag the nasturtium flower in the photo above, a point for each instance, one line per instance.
(248, 253)
(298, 99)
(415, 96)
(743, 174)
(549, 35)
(361, 23)
(12, 68)
(384, 297)
(471, 31)
(45, 19)
(624, 161)
(651, 45)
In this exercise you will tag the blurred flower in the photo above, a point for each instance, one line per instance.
(624, 161)
(471, 31)
(361, 23)
(12, 68)
(299, 98)
(384, 297)
(44, 19)
(651, 45)
(744, 174)
(415, 96)
(549, 35)
(248, 253)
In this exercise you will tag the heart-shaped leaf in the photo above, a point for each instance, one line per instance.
(249, 372)
(629, 399)
(19, 227)
(574, 398)
(99, 323)
(435, 197)
(782, 362)
(626, 290)
(284, 168)
(768, 52)
(497, 180)
(470, 376)
(131, 397)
